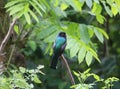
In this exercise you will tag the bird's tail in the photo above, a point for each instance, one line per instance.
(54, 61)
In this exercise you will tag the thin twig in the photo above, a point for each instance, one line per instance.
(68, 69)
(5, 40)
(10, 57)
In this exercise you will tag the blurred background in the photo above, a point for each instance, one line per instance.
(39, 23)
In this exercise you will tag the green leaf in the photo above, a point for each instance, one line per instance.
(110, 2)
(97, 1)
(114, 9)
(94, 54)
(86, 71)
(56, 3)
(15, 6)
(48, 48)
(88, 58)
(31, 71)
(89, 3)
(36, 79)
(90, 31)
(21, 83)
(26, 8)
(35, 7)
(16, 29)
(117, 2)
(51, 38)
(59, 12)
(97, 9)
(77, 5)
(99, 35)
(38, 4)
(16, 9)
(11, 3)
(74, 49)
(32, 45)
(72, 28)
(81, 54)
(100, 18)
(96, 77)
(103, 32)
(18, 14)
(27, 17)
(47, 31)
(84, 33)
(107, 9)
(22, 69)
(76, 74)
(70, 42)
(45, 3)
(63, 6)
(33, 15)
(40, 67)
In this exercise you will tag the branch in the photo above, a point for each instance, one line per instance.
(68, 69)
(4, 42)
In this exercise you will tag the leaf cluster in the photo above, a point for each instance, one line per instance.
(21, 79)
(82, 77)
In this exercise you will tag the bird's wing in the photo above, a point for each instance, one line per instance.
(63, 47)
(54, 45)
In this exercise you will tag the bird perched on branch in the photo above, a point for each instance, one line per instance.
(58, 48)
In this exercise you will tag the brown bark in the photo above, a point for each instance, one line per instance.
(7, 37)
(68, 70)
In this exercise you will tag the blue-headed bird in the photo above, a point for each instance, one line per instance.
(58, 48)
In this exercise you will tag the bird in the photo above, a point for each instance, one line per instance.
(58, 48)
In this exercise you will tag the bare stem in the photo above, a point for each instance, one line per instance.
(10, 57)
(4, 42)
(68, 69)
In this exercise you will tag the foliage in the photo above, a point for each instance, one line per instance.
(21, 79)
(84, 46)
(109, 82)
(24, 8)
(82, 77)
(83, 20)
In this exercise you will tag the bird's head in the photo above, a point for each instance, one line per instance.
(62, 34)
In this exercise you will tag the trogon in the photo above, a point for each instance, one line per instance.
(58, 48)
